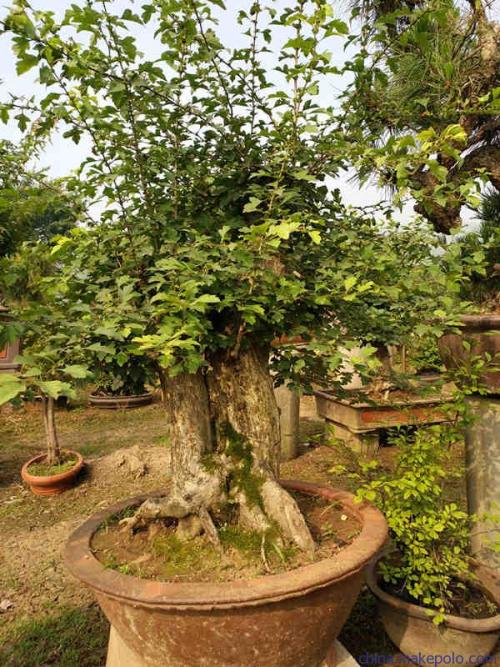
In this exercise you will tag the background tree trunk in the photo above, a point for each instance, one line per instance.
(53, 449)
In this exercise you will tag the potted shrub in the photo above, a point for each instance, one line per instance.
(433, 600)
(41, 310)
(56, 470)
(217, 238)
(120, 379)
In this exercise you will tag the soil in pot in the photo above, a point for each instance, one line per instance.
(43, 469)
(160, 552)
(470, 631)
(468, 600)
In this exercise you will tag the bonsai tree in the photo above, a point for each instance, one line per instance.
(36, 381)
(118, 368)
(430, 563)
(126, 377)
(31, 207)
(425, 98)
(484, 287)
(430, 533)
(219, 232)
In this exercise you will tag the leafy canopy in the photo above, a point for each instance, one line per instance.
(212, 166)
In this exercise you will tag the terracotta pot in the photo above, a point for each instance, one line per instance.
(410, 626)
(281, 620)
(51, 485)
(482, 332)
(120, 402)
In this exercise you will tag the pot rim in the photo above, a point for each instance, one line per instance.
(82, 564)
(477, 625)
(49, 480)
(481, 322)
(124, 397)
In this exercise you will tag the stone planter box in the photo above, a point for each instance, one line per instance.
(480, 337)
(359, 424)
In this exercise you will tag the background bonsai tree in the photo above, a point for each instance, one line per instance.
(484, 287)
(425, 98)
(219, 233)
(118, 366)
(52, 336)
(31, 207)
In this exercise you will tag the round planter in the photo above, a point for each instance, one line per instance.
(410, 627)
(120, 402)
(282, 620)
(482, 333)
(52, 485)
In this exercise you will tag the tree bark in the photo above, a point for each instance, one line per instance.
(223, 427)
(53, 449)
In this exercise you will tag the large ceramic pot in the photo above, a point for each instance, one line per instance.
(410, 626)
(120, 402)
(482, 335)
(52, 485)
(282, 620)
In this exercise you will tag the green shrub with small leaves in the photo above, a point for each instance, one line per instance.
(430, 534)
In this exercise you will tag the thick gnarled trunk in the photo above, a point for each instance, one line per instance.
(224, 434)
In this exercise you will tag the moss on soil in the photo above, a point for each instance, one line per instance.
(158, 553)
(181, 558)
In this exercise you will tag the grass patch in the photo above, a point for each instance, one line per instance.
(45, 470)
(75, 636)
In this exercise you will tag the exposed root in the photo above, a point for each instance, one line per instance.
(251, 517)
(189, 528)
(209, 528)
(154, 509)
(282, 508)
(278, 506)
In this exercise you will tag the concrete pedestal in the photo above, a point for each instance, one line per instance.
(119, 655)
(482, 455)
(289, 407)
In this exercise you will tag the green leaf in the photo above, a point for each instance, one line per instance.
(100, 348)
(26, 63)
(349, 283)
(252, 205)
(56, 388)
(10, 387)
(315, 236)
(77, 371)
(32, 372)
